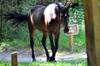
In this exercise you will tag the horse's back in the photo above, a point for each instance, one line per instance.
(36, 7)
(37, 12)
(36, 17)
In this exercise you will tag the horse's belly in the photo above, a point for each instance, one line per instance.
(52, 28)
(41, 27)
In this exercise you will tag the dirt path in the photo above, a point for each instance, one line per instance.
(24, 56)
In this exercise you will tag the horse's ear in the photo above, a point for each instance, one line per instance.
(71, 3)
(68, 3)
(65, 4)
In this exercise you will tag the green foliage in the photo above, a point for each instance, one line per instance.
(78, 14)
(17, 32)
(80, 39)
(25, 5)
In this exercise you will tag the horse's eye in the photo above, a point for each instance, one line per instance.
(65, 15)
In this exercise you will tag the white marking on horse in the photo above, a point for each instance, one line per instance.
(31, 17)
(49, 13)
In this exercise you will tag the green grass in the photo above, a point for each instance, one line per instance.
(79, 62)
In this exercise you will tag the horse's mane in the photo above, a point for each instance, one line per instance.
(52, 11)
(49, 12)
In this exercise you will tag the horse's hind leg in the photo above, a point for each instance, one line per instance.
(32, 45)
(44, 45)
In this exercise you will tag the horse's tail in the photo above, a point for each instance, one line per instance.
(17, 16)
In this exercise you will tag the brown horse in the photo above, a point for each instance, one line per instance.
(47, 19)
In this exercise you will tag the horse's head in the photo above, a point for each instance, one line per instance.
(64, 9)
(64, 16)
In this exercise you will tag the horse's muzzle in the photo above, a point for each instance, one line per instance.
(66, 30)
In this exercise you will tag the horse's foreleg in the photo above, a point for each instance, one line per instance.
(52, 44)
(44, 45)
(56, 39)
(32, 45)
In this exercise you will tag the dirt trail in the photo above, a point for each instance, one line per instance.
(26, 56)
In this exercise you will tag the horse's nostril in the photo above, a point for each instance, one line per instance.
(66, 30)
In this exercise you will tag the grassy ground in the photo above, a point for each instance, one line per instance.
(59, 63)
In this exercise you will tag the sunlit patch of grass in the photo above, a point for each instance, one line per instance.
(80, 62)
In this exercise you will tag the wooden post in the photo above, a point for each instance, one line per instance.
(92, 23)
(71, 41)
(14, 59)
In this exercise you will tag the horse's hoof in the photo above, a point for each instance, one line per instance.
(52, 59)
(34, 60)
(48, 59)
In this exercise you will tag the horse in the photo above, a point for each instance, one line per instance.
(48, 19)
